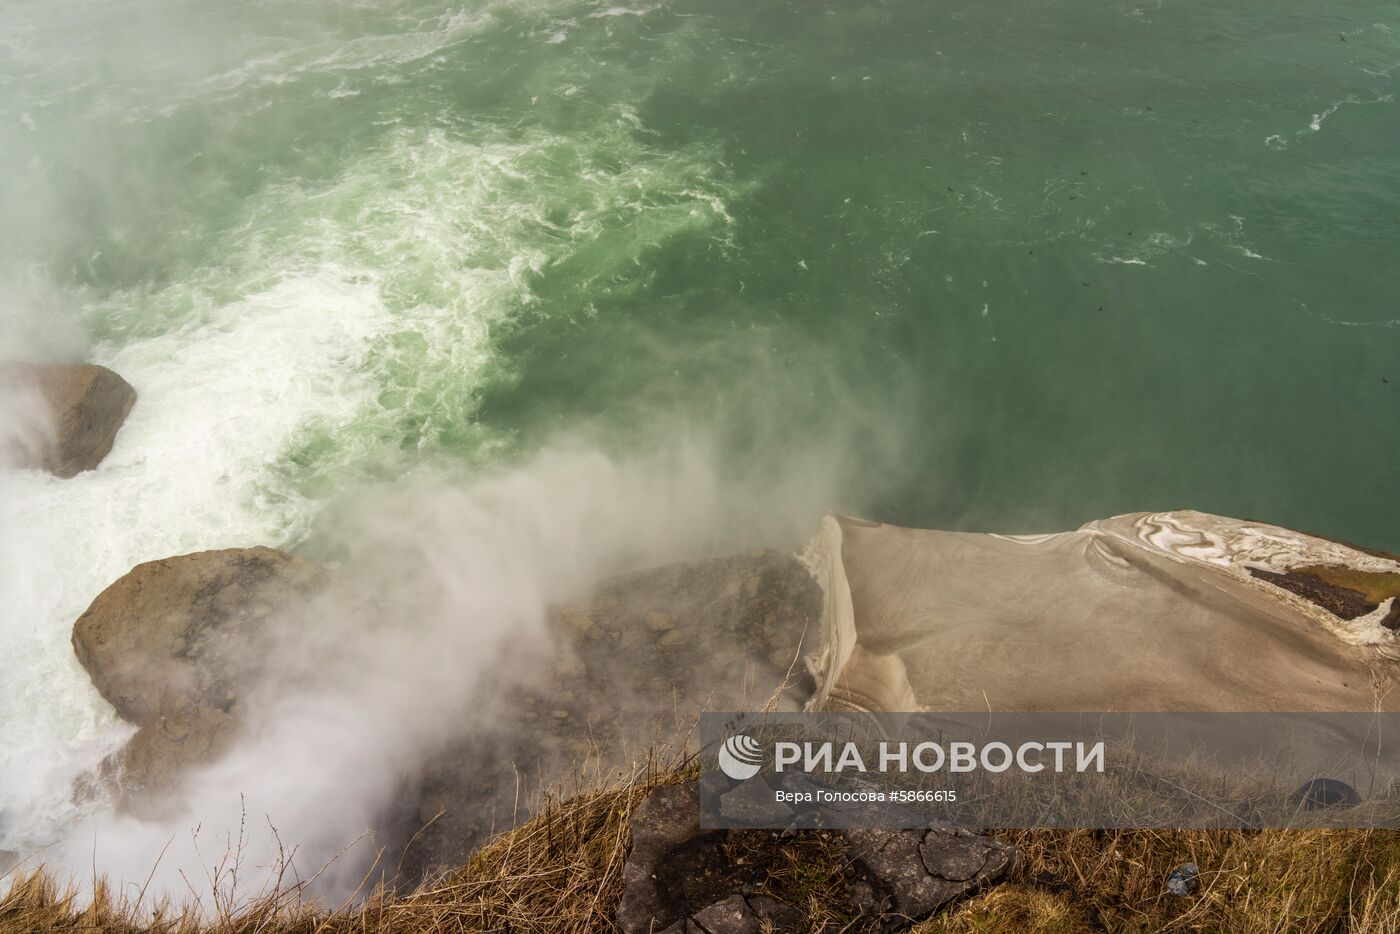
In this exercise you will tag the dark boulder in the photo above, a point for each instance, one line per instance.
(79, 409)
(1324, 793)
(173, 645)
(666, 821)
(177, 634)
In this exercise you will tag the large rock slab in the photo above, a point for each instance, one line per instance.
(666, 821)
(1179, 611)
(178, 634)
(75, 411)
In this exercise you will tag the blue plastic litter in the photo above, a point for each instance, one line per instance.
(1183, 879)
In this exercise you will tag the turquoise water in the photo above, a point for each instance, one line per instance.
(1079, 258)
(1005, 266)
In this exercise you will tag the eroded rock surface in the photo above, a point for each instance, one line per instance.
(72, 415)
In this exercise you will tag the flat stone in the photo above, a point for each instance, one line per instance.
(956, 858)
(898, 863)
(752, 803)
(731, 916)
(680, 879)
(684, 926)
(668, 818)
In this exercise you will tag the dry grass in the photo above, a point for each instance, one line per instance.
(1251, 882)
(561, 872)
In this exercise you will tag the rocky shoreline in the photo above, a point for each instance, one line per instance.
(1174, 611)
(179, 646)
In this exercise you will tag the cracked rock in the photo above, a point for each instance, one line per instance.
(680, 879)
(920, 871)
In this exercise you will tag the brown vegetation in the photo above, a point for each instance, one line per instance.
(561, 872)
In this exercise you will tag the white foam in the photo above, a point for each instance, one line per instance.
(217, 404)
(1317, 118)
(614, 11)
(323, 302)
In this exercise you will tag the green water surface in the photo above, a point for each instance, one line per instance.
(1016, 265)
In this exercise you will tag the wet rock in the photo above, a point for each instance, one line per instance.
(76, 412)
(145, 774)
(187, 632)
(173, 645)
